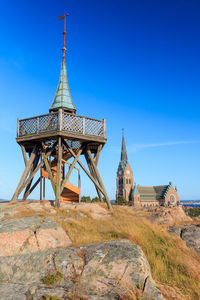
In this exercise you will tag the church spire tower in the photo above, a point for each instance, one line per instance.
(124, 157)
(125, 182)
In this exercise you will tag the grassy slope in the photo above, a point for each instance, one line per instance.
(172, 263)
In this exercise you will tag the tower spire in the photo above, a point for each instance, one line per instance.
(124, 156)
(63, 97)
(64, 32)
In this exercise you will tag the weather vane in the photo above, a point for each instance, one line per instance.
(64, 32)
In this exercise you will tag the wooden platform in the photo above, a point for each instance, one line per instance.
(67, 125)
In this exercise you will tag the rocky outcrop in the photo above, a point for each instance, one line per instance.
(108, 270)
(11, 210)
(190, 234)
(168, 216)
(30, 234)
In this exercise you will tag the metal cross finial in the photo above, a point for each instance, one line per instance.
(64, 32)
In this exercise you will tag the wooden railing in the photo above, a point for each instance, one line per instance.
(61, 121)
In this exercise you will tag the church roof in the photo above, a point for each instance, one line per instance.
(63, 98)
(161, 191)
(147, 193)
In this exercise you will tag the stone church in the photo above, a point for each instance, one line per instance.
(142, 196)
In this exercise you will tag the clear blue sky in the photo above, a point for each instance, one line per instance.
(135, 63)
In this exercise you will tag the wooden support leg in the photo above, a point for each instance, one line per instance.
(24, 175)
(40, 185)
(24, 155)
(93, 174)
(98, 154)
(43, 188)
(33, 187)
(58, 179)
(99, 179)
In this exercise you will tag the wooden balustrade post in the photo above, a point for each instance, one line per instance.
(38, 125)
(18, 119)
(104, 128)
(60, 119)
(83, 125)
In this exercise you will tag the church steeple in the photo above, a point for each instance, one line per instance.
(63, 97)
(125, 181)
(124, 156)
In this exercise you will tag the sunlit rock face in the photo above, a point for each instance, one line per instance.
(102, 271)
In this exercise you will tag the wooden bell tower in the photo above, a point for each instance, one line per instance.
(49, 141)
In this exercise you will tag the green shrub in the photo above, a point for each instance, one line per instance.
(52, 278)
(193, 211)
(121, 200)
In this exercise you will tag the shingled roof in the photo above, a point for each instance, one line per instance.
(161, 191)
(147, 193)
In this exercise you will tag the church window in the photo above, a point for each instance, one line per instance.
(126, 181)
(172, 198)
(129, 181)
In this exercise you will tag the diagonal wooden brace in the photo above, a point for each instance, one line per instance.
(32, 188)
(25, 174)
(99, 179)
(92, 172)
(44, 156)
(70, 170)
(33, 173)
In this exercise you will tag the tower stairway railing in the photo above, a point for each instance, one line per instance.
(61, 121)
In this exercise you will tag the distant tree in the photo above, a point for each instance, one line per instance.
(86, 199)
(121, 201)
(95, 199)
(193, 212)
